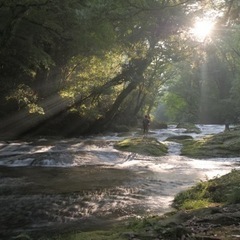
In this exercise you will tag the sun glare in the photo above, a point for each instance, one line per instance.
(202, 29)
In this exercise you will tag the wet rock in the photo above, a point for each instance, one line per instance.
(190, 127)
(225, 144)
(147, 146)
(179, 138)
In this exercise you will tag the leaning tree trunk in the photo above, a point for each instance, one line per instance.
(136, 79)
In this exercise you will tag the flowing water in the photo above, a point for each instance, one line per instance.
(86, 183)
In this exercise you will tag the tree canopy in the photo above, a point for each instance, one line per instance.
(74, 67)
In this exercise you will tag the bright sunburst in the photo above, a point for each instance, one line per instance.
(202, 29)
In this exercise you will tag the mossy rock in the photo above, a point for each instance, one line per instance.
(225, 144)
(221, 190)
(179, 138)
(142, 145)
(190, 127)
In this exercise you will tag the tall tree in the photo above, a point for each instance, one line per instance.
(50, 43)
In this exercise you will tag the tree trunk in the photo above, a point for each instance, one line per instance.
(137, 78)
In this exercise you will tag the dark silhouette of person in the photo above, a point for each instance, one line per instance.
(146, 123)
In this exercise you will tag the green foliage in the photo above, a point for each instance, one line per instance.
(195, 204)
(25, 96)
(195, 196)
(110, 58)
(207, 80)
(175, 106)
(86, 80)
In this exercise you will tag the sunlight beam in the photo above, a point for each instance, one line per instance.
(202, 29)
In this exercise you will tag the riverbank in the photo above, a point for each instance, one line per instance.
(218, 219)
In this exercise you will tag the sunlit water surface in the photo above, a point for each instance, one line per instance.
(47, 182)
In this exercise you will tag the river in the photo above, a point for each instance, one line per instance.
(84, 183)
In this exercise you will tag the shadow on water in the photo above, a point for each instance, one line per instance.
(41, 180)
(57, 199)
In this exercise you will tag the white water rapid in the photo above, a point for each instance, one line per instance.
(45, 182)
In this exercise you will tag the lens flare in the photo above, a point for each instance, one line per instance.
(202, 29)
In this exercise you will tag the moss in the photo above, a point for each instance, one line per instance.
(222, 190)
(195, 204)
(146, 146)
(179, 138)
(226, 144)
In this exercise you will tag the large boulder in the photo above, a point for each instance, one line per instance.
(142, 145)
(225, 144)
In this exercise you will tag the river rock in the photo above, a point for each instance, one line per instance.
(179, 138)
(190, 127)
(225, 144)
(142, 145)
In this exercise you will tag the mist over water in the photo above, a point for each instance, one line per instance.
(46, 182)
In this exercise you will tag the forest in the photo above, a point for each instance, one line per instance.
(75, 67)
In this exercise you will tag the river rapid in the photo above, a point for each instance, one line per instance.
(84, 183)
